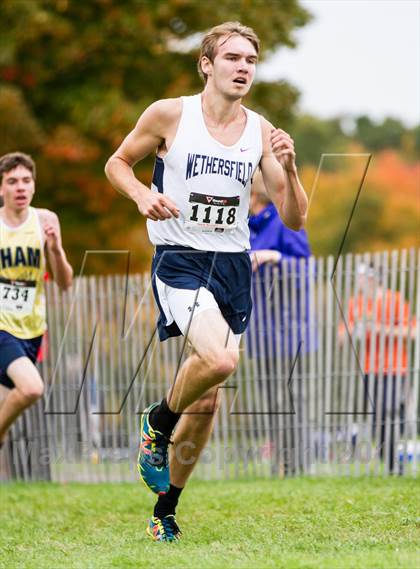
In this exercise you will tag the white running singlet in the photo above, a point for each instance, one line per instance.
(209, 183)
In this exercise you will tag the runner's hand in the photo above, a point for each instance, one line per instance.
(283, 148)
(157, 207)
(52, 235)
(263, 256)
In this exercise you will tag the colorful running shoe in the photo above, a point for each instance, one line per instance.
(165, 529)
(152, 463)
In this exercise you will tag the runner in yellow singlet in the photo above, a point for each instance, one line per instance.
(27, 237)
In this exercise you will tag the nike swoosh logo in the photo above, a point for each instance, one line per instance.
(244, 149)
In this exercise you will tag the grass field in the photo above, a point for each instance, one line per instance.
(305, 523)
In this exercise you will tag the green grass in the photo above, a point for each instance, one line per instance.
(305, 523)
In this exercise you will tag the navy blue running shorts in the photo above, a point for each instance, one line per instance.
(227, 276)
(12, 348)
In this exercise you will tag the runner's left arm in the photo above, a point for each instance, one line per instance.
(280, 176)
(62, 271)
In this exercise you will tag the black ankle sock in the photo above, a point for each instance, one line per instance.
(167, 503)
(163, 419)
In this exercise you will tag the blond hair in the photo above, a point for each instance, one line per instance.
(208, 46)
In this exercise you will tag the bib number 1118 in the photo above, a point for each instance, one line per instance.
(212, 213)
(221, 214)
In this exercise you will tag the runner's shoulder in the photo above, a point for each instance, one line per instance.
(266, 126)
(46, 215)
(164, 111)
(266, 129)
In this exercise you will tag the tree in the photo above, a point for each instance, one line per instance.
(387, 134)
(314, 137)
(387, 214)
(75, 76)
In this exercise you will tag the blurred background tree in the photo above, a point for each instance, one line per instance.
(75, 76)
(387, 211)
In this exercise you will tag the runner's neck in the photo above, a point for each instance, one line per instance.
(14, 218)
(219, 111)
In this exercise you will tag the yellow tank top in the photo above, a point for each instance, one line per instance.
(22, 269)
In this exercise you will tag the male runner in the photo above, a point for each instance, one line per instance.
(207, 148)
(27, 235)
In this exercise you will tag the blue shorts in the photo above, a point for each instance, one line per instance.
(226, 275)
(12, 348)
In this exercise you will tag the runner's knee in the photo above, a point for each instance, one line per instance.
(33, 391)
(228, 363)
(222, 364)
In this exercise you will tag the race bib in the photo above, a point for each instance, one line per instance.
(17, 297)
(210, 214)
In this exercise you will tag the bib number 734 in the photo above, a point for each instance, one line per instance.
(17, 297)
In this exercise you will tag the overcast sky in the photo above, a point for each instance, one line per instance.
(355, 57)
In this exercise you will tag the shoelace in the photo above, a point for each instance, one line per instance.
(162, 450)
(170, 527)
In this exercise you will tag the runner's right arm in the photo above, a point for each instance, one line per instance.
(148, 135)
(62, 272)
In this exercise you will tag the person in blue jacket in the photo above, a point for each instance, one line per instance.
(278, 330)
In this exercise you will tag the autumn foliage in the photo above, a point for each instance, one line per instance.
(75, 76)
(386, 206)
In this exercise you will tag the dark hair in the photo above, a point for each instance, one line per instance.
(13, 159)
